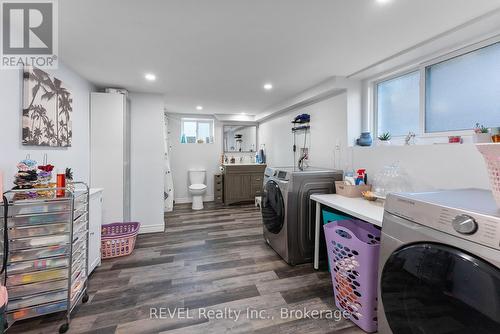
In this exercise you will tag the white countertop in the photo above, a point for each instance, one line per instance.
(371, 212)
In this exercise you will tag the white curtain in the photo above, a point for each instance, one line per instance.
(168, 191)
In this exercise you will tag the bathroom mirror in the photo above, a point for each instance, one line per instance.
(240, 138)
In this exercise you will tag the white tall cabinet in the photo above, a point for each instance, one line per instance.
(110, 153)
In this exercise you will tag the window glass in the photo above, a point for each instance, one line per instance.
(189, 128)
(398, 105)
(204, 132)
(463, 91)
(197, 131)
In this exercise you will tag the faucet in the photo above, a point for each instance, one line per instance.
(241, 159)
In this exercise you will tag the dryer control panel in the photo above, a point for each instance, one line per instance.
(479, 224)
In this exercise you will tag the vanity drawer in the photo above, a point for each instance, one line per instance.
(257, 179)
(257, 189)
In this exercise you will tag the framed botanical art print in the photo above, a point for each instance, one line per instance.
(47, 110)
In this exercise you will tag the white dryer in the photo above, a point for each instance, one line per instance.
(440, 264)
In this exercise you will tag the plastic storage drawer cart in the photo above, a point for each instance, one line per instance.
(118, 239)
(353, 251)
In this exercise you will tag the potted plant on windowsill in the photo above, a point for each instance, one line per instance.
(481, 134)
(384, 139)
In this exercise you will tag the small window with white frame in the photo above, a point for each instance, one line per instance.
(463, 91)
(448, 95)
(196, 130)
(398, 104)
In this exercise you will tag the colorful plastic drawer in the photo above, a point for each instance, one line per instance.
(36, 300)
(79, 245)
(34, 231)
(39, 219)
(18, 291)
(39, 207)
(78, 256)
(77, 269)
(79, 230)
(77, 288)
(41, 253)
(81, 202)
(82, 219)
(31, 312)
(79, 212)
(38, 242)
(42, 264)
(38, 276)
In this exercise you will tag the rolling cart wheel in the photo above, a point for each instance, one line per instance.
(64, 328)
(85, 298)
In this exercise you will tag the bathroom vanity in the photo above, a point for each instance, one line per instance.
(242, 182)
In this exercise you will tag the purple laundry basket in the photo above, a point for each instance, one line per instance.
(353, 251)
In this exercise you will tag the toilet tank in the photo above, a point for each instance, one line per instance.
(197, 176)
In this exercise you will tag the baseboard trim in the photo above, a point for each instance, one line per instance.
(183, 200)
(144, 229)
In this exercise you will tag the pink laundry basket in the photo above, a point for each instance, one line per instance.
(118, 239)
(353, 251)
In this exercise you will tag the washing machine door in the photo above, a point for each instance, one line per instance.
(429, 288)
(273, 207)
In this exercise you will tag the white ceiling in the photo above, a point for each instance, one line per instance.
(219, 53)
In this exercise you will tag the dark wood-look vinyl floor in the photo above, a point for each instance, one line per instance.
(213, 260)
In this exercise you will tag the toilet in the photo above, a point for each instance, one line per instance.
(197, 187)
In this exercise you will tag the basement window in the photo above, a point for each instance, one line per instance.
(446, 96)
(195, 130)
(463, 91)
(398, 104)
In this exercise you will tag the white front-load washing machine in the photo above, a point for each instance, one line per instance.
(439, 269)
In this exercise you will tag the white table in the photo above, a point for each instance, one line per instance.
(371, 212)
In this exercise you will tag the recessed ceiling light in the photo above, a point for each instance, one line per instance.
(383, 2)
(268, 86)
(199, 107)
(150, 76)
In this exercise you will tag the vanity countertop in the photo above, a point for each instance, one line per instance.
(244, 164)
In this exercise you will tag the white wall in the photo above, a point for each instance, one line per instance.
(328, 128)
(430, 167)
(146, 160)
(11, 150)
(186, 156)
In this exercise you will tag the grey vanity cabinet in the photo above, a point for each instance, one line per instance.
(242, 183)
